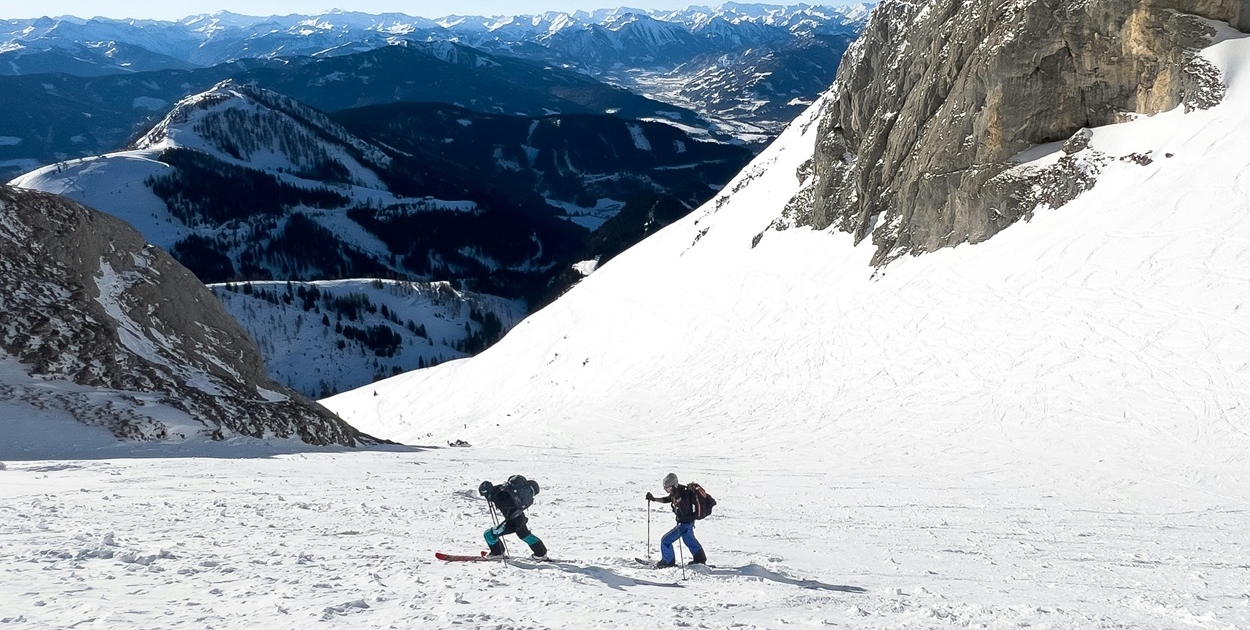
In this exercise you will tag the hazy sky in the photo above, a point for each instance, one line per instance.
(175, 9)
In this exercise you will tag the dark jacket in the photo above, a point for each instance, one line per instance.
(681, 499)
(503, 501)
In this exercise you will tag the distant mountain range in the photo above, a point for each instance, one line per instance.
(76, 87)
(56, 117)
(598, 39)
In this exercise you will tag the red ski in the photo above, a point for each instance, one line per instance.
(448, 557)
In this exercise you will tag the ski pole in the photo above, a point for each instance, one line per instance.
(682, 550)
(648, 529)
(495, 519)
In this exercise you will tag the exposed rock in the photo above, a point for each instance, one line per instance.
(87, 300)
(919, 136)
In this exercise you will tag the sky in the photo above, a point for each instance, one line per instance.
(165, 10)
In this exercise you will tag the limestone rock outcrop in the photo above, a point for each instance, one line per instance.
(920, 136)
(85, 300)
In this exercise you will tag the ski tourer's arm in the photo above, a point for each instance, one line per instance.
(664, 499)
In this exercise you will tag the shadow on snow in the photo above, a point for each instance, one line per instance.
(763, 573)
(610, 578)
(234, 448)
(617, 581)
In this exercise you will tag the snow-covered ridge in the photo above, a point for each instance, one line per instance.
(257, 128)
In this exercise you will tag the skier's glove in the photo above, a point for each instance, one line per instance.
(649, 497)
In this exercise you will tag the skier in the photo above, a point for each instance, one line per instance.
(682, 501)
(505, 498)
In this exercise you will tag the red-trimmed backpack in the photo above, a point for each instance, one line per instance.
(700, 500)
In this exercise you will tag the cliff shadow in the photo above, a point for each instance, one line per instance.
(234, 448)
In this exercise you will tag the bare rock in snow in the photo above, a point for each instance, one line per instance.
(87, 300)
(919, 136)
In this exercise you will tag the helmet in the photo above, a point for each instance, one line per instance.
(485, 488)
(670, 481)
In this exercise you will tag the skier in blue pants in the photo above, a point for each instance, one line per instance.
(681, 499)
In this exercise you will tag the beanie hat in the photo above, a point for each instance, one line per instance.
(670, 481)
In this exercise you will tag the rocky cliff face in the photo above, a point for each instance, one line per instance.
(85, 299)
(921, 137)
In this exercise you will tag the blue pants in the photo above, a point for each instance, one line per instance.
(684, 531)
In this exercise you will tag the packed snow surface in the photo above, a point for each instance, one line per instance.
(256, 538)
(1046, 430)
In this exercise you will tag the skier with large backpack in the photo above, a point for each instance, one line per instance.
(690, 503)
(511, 498)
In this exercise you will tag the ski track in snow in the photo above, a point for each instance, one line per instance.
(347, 540)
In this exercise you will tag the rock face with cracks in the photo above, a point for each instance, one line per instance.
(921, 133)
(88, 301)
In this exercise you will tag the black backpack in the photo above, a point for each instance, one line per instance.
(700, 501)
(522, 490)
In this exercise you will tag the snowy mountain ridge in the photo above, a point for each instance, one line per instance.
(275, 144)
(230, 124)
(236, 124)
(241, 183)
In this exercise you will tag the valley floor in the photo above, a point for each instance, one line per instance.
(346, 540)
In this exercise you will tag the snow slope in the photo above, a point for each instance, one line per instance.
(237, 539)
(114, 183)
(1109, 334)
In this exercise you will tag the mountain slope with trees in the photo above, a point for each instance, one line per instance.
(242, 184)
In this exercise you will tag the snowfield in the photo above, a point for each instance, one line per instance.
(346, 540)
(1048, 430)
